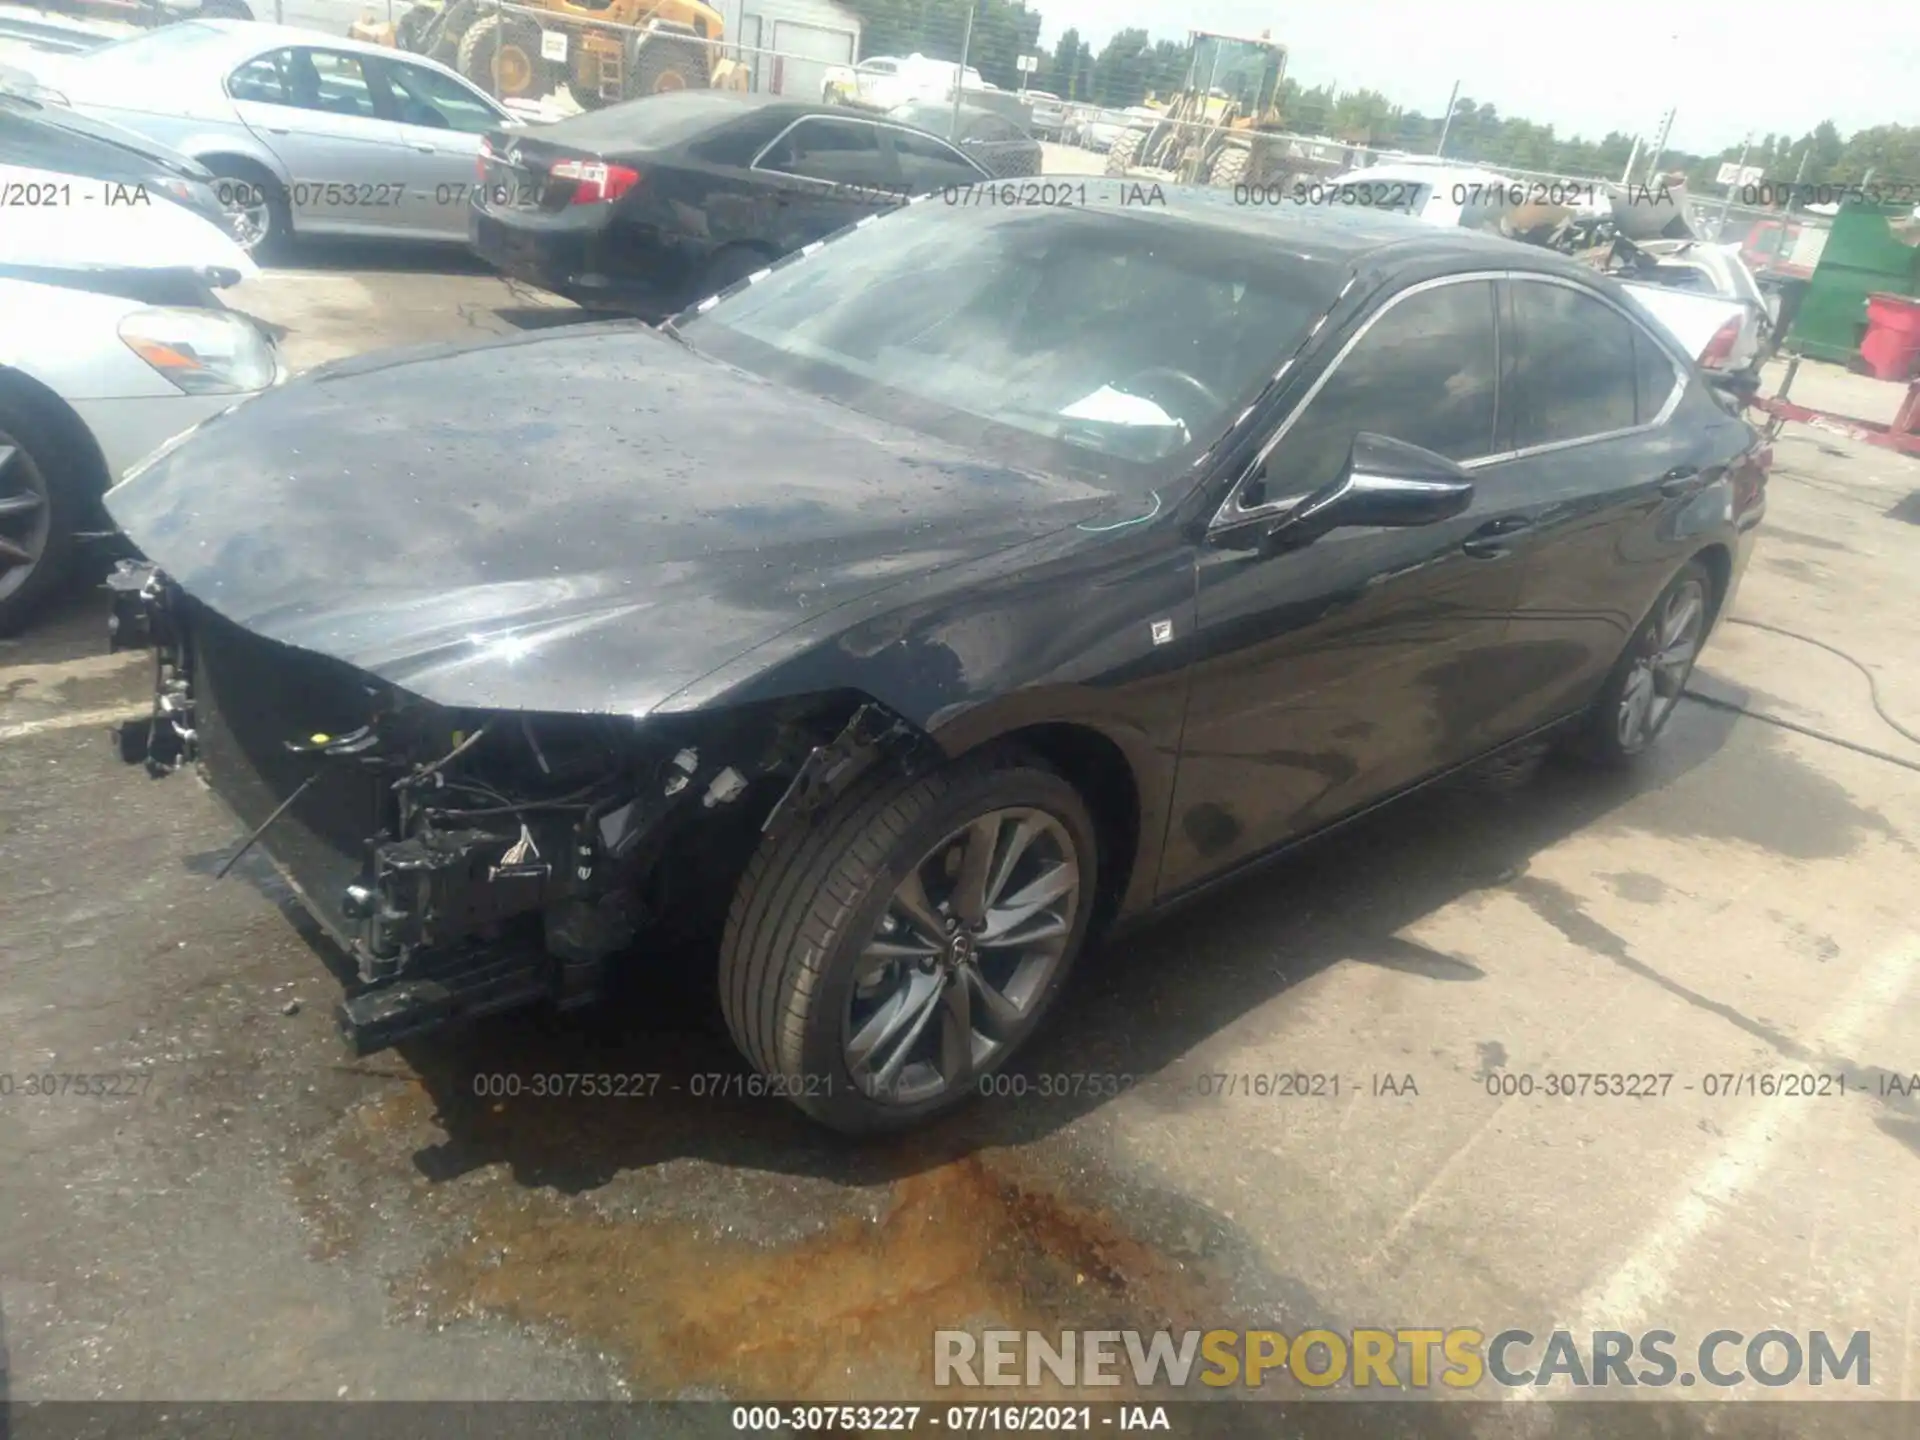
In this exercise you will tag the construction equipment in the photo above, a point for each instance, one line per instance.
(1222, 126)
(611, 51)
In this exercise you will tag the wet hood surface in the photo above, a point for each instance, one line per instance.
(584, 520)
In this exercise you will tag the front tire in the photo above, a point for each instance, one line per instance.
(880, 961)
(1644, 688)
(1229, 167)
(1125, 150)
(37, 509)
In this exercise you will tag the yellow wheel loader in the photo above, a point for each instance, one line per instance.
(1222, 127)
(616, 50)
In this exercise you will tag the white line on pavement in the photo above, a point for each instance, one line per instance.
(76, 720)
(84, 667)
(1637, 1286)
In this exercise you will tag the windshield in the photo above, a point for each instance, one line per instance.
(1091, 336)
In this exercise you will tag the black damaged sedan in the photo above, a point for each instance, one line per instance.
(944, 598)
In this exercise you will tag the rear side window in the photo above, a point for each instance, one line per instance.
(1576, 371)
(1425, 373)
(928, 164)
(841, 152)
(1654, 377)
(439, 102)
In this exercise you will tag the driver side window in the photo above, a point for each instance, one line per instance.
(1425, 372)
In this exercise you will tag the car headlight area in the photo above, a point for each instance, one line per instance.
(201, 352)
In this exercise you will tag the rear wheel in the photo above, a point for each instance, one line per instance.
(501, 54)
(258, 208)
(1645, 686)
(36, 512)
(1125, 150)
(1229, 167)
(881, 961)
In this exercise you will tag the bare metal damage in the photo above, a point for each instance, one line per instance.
(508, 855)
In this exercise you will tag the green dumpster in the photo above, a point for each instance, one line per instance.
(1864, 255)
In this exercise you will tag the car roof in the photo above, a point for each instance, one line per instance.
(1346, 235)
(251, 36)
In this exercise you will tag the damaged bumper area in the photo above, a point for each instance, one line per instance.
(474, 861)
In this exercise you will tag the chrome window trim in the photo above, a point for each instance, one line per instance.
(877, 124)
(1232, 515)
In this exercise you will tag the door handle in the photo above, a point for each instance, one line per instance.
(1489, 541)
(1681, 480)
(278, 130)
(427, 149)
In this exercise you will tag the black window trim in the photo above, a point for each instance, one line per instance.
(878, 126)
(1232, 514)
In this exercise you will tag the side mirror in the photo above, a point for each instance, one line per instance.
(1387, 484)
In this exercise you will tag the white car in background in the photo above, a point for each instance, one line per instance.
(309, 134)
(886, 82)
(1724, 329)
(113, 341)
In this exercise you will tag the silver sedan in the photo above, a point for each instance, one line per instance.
(308, 134)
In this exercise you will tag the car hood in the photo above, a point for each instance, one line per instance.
(590, 519)
(101, 225)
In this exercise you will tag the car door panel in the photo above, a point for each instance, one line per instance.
(343, 163)
(440, 122)
(1334, 674)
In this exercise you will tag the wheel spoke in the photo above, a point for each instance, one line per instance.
(976, 865)
(998, 1013)
(885, 952)
(1024, 833)
(1056, 881)
(910, 899)
(1634, 704)
(1031, 932)
(13, 554)
(25, 503)
(1681, 614)
(1677, 656)
(956, 1032)
(920, 1003)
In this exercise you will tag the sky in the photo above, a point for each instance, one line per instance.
(1584, 68)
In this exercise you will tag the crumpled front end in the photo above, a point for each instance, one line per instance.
(469, 861)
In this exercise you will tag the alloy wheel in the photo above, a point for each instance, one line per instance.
(968, 945)
(26, 515)
(1660, 671)
(248, 214)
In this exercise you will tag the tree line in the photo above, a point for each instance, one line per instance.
(1131, 66)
